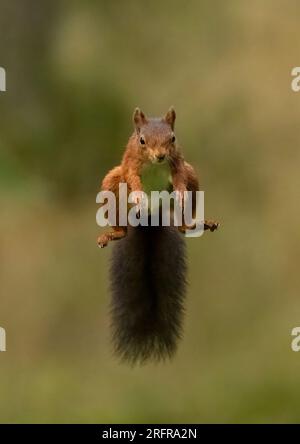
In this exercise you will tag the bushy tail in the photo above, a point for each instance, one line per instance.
(148, 281)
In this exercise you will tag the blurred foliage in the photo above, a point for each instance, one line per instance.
(75, 72)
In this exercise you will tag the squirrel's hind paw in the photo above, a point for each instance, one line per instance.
(211, 225)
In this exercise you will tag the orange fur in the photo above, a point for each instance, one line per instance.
(159, 144)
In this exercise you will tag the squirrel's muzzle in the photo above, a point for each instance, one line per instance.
(160, 157)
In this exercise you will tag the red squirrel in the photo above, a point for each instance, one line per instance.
(148, 271)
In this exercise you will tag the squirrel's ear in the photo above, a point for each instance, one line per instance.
(170, 117)
(139, 118)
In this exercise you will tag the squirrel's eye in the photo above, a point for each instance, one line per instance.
(142, 141)
(173, 138)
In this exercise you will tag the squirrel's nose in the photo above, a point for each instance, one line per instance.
(161, 157)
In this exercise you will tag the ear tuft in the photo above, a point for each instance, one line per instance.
(170, 117)
(139, 118)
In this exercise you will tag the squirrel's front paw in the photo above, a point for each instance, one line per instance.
(103, 240)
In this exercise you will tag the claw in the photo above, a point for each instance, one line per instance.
(101, 242)
(211, 225)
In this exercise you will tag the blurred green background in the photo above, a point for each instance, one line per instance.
(75, 72)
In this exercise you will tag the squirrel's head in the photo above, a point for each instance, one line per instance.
(155, 136)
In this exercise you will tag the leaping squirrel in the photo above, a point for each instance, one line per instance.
(148, 269)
